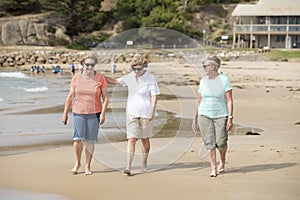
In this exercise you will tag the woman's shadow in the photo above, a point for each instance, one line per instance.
(260, 167)
(194, 166)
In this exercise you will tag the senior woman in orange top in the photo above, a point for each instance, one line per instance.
(87, 90)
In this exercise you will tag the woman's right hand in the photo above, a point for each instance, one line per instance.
(195, 125)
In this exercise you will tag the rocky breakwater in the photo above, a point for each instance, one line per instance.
(23, 60)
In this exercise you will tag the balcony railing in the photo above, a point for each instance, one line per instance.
(294, 28)
(256, 29)
(242, 29)
(260, 28)
(276, 28)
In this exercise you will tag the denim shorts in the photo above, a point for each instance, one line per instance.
(86, 127)
(138, 127)
(213, 132)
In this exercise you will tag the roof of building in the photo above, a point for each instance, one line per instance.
(269, 8)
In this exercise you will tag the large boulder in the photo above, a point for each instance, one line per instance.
(31, 29)
(11, 33)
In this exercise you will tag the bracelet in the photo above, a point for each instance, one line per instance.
(230, 117)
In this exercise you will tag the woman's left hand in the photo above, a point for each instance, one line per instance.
(151, 116)
(102, 118)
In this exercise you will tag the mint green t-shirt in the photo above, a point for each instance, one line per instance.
(213, 102)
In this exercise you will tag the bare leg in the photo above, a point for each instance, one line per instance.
(221, 167)
(145, 151)
(89, 151)
(212, 161)
(78, 151)
(130, 154)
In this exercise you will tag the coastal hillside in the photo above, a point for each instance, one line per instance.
(66, 23)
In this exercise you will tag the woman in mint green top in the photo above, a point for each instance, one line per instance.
(214, 112)
(213, 93)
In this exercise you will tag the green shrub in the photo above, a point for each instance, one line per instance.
(225, 59)
(58, 42)
(226, 26)
(76, 47)
(50, 29)
(273, 59)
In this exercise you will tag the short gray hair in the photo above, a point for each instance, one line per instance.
(213, 61)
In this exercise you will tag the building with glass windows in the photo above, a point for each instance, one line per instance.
(267, 24)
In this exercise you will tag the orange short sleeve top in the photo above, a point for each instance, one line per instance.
(87, 98)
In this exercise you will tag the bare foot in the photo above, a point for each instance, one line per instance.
(88, 171)
(144, 169)
(221, 168)
(213, 174)
(74, 170)
(127, 171)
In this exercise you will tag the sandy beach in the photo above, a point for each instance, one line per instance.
(264, 165)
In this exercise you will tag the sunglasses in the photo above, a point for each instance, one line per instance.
(205, 65)
(90, 64)
(137, 69)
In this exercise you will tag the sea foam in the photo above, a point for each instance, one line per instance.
(13, 75)
(36, 89)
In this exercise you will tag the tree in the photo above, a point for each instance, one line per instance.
(141, 13)
(162, 17)
(82, 16)
(19, 7)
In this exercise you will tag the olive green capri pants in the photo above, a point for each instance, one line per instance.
(213, 132)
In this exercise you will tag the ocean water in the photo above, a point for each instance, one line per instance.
(19, 88)
(31, 108)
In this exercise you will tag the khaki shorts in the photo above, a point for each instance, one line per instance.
(213, 132)
(138, 127)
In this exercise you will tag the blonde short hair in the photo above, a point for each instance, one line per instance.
(93, 57)
(143, 61)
